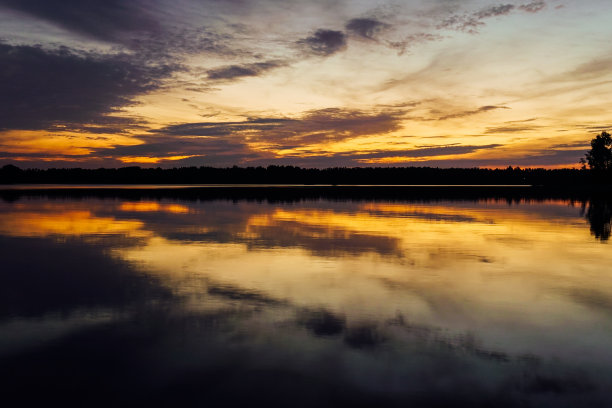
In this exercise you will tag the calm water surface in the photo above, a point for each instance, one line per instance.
(468, 303)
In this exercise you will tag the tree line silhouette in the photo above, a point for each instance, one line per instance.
(296, 175)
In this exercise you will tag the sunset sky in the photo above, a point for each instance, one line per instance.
(313, 83)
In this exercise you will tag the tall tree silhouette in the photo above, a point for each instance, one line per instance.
(599, 158)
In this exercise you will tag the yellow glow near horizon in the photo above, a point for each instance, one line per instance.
(146, 159)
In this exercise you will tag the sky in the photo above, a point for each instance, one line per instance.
(311, 83)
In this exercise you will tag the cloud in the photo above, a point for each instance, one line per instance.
(463, 114)
(107, 20)
(139, 26)
(537, 158)
(471, 22)
(494, 11)
(594, 69)
(575, 145)
(262, 141)
(510, 129)
(368, 28)
(230, 72)
(533, 7)
(42, 88)
(315, 126)
(412, 40)
(223, 128)
(255, 140)
(382, 157)
(324, 42)
(424, 151)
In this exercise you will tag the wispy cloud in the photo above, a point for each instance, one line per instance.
(463, 114)
(413, 40)
(594, 69)
(494, 11)
(424, 151)
(231, 72)
(471, 22)
(533, 7)
(509, 129)
(316, 126)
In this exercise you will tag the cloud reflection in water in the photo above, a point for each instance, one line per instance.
(307, 303)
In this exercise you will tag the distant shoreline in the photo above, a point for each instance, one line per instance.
(290, 175)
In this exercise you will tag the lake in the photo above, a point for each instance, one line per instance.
(161, 300)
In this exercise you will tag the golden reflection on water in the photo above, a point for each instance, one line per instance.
(65, 223)
(528, 278)
(153, 206)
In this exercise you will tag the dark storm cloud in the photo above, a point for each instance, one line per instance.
(366, 27)
(42, 88)
(102, 19)
(324, 42)
(230, 72)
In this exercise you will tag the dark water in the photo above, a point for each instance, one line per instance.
(168, 302)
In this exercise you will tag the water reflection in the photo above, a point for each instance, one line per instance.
(313, 303)
(599, 213)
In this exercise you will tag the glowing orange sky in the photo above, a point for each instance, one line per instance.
(312, 83)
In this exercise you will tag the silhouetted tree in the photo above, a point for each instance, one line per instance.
(599, 158)
(9, 174)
